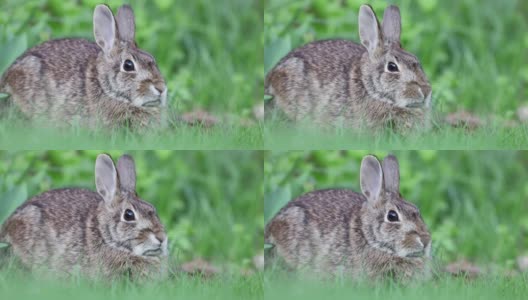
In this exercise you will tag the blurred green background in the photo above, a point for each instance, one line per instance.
(473, 51)
(210, 201)
(208, 51)
(474, 202)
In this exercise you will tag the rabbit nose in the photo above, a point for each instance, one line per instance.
(425, 89)
(160, 87)
(160, 237)
(425, 239)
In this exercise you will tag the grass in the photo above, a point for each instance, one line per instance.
(488, 287)
(183, 138)
(442, 138)
(208, 53)
(462, 46)
(205, 199)
(14, 285)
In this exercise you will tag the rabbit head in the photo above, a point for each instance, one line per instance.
(126, 72)
(132, 224)
(390, 223)
(392, 74)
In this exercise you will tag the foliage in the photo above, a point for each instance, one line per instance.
(198, 45)
(473, 51)
(206, 199)
(472, 201)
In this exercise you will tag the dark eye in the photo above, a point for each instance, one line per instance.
(392, 216)
(392, 67)
(128, 65)
(129, 215)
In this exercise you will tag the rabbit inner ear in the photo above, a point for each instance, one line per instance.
(369, 30)
(104, 27)
(391, 174)
(391, 25)
(105, 177)
(371, 178)
(126, 25)
(127, 173)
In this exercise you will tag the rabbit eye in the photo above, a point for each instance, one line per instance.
(392, 216)
(128, 66)
(129, 215)
(392, 67)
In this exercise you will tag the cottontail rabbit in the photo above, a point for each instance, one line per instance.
(338, 82)
(110, 82)
(370, 235)
(102, 235)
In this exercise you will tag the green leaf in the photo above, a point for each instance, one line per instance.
(275, 200)
(11, 199)
(275, 51)
(3, 245)
(3, 96)
(268, 246)
(12, 49)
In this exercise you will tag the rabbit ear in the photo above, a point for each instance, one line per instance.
(127, 173)
(369, 29)
(391, 25)
(371, 177)
(126, 25)
(104, 27)
(391, 174)
(105, 177)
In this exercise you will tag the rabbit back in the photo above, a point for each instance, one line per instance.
(51, 229)
(49, 79)
(314, 230)
(316, 81)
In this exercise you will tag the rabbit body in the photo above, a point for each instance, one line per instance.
(339, 82)
(76, 230)
(337, 231)
(76, 81)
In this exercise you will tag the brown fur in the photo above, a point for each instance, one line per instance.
(339, 82)
(74, 81)
(67, 229)
(338, 230)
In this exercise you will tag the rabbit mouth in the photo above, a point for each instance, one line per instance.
(153, 252)
(152, 103)
(417, 104)
(419, 253)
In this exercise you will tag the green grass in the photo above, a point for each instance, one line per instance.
(226, 286)
(474, 53)
(207, 51)
(225, 136)
(488, 287)
(473, 202)
(279, 137)
(207, 200)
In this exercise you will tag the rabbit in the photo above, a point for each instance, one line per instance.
(372, 235)
(341, 83)
(99, 235)
(109, 83)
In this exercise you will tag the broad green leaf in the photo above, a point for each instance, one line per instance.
(10, 200)
(275, 51)
(12, 49)
(275, 200)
